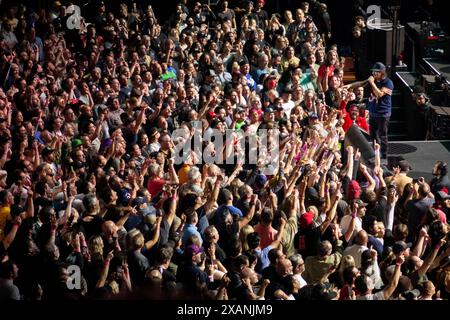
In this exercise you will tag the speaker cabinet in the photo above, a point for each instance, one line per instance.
(383, 43)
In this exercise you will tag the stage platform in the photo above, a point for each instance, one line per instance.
(439, 66)
(422, 155)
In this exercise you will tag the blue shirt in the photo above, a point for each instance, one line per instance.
(263, 258)
(382, 107)
(188, 231)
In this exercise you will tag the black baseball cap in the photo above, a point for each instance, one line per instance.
(400, 246)
(378, 66)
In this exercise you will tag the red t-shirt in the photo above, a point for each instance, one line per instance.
(360, 122)
(155, 186)
(267, 234)
(348, 122)
(322, 71)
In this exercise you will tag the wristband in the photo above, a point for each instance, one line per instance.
(398, 264)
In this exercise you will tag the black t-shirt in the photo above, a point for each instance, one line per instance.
(2, 250)
(262, 18)
(92, 227)
(226, 234)
(277, 283)
(269, 272)
(227, 15)
(306, 241)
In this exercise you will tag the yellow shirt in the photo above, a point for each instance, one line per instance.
(183, 174)
(5, 215)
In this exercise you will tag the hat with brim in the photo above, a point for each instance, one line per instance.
(153, 132)
(441, 196)
(47, 151)
(400, 246)
(411, 294)
(361, 203)
(138, 201)
(76, 143)
(378, 67)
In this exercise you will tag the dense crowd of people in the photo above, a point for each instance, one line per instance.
(96, 204)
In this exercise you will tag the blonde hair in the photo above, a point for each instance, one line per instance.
(193, 240)
(96, 245)
(134, 240)
(235, 185)
(245, 231)
(347, 261)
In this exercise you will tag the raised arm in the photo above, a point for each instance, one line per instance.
(173, 196)
(246, 220)
(332, 212)
(279, 236)
(12, 234)
(392, 199)
(392, 285)
(430, 258)
(149, 244)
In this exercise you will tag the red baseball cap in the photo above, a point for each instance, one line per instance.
(306, 219)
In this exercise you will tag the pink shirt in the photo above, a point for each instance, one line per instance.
(267, 234)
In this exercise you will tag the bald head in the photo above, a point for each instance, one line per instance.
(284, 267)
(109, 228)
(361, 238)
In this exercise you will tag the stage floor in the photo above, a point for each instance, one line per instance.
(422, 155)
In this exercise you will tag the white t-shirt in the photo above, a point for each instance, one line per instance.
(300, 280)
(345, 224)
(355, 251)
(287, 107)
(373, 296)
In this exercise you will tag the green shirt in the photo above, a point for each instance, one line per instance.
(316, 267)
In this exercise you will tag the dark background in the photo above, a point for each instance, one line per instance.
(342, 12)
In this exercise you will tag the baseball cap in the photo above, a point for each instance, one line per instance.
(306, 219)
(323, 292)
(360, 203)
(76, 143)
(313, 116)
(261, 180)
(243, 62)
(269, 110)
(411, 294)
(138, 201)
(378, 66)
(400, 246)
(353, 190)
(192, 250)
(442, 195)
(47, 151)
